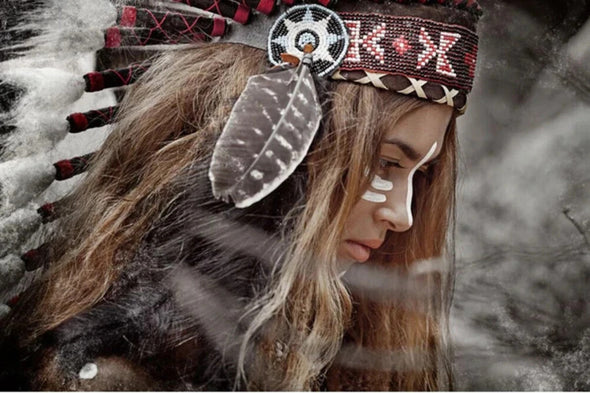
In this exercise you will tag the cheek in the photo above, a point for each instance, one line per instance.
(359, 216)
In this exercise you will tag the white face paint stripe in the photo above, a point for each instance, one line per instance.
(384, 185)
(410, 177)
(381, 184)
(374, 197)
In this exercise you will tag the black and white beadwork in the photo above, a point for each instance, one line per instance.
(310, 24)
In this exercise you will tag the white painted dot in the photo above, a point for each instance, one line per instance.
(281, 164)
(89, 371)
(283, 142)
(256, 174)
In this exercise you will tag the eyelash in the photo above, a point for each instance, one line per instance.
(386, 164)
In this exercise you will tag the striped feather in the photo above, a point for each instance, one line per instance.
(268, 134)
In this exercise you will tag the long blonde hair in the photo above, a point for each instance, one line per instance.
(170, 119)
(314, 302)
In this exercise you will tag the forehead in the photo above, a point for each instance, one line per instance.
(421, 128)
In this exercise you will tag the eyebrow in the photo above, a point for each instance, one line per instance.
(408, 150)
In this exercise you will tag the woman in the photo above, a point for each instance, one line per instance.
(320, 285)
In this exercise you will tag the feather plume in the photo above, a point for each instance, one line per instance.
(17, 228)
(268, 134)
(21, 180)
(56, 27)
(4, 310)
(12, 269)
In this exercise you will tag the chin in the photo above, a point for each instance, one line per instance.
(343, 262)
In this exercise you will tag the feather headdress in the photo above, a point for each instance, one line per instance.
(48, 43)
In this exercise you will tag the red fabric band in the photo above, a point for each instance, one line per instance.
(47, 212)
(218, 27)
(242, 14)
(94, 81)
(128, 16)
(113, 38)
(34, 259)
(266, 6)
(12, 302)
(64, 169)
(78, 122)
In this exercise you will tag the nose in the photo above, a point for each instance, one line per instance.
(396, 211)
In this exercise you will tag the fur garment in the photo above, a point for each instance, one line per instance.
(174, 317)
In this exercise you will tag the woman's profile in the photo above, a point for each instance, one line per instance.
(338, 277)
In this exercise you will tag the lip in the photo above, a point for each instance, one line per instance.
(372, 243)
(360, 250)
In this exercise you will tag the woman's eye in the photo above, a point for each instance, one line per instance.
(386, 164)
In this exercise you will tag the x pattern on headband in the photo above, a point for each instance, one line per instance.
(406, 85)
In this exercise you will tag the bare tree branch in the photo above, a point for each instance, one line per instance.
(566, 211)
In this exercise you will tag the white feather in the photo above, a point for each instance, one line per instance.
(12, 269)
(48, 88)
(4, 310)
(36, 132)
(18, 228)
(69, 27)
(50, 70)
(23, 179)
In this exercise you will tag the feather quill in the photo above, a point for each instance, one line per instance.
(268, 134)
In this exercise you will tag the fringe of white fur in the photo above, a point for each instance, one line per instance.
(47, 68)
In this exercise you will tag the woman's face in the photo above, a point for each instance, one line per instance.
(408, 147)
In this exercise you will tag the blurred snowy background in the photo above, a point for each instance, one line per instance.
(521, 314)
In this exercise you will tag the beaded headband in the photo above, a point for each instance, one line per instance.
(409, 55)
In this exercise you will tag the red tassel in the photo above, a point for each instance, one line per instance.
(47, 212)
(96, 81)
(128, 17)
(93, 119)
(78, 122)
(263, 6)
(12, 302)
(66, 169)
(34, 259)
(112, 38)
